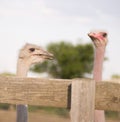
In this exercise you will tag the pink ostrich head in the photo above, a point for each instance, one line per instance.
(99, 38)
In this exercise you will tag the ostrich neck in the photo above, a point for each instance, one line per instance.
(22, 68)
(98, 63)
(22, 110)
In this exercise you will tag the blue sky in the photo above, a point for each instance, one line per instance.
(44, 21)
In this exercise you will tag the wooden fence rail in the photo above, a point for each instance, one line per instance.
(56, 92)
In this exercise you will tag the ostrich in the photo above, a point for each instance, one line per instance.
(29, 54)
(100, 41)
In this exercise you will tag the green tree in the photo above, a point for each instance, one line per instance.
(70, 60)
(115, 76)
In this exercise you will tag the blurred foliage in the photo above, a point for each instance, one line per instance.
(4, 106)
(116, 76)
(50, 110)
(70, 60)
(7, 74)
(112, 114)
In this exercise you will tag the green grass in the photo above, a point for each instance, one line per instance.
(112, 114)
(4, 106)
(50, 110)
(56, 111)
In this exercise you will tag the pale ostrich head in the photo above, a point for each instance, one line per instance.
(32, 54)
(98, 38)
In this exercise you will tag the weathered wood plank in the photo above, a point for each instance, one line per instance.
(83, 101)
(34, 91)
(54, 92)
(107, 96)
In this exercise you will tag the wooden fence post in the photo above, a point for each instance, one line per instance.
(83, 100)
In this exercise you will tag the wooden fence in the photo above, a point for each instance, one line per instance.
(82, 96)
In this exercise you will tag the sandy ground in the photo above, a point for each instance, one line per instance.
(10, 116)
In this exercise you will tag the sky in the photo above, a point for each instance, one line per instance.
(44, 21)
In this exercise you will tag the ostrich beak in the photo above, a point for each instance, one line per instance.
(40, 53)
(46, 55)
(91, 35)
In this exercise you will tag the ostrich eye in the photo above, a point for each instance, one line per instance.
(32, 49)
(104, 34)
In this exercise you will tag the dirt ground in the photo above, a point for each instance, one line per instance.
(10, 116)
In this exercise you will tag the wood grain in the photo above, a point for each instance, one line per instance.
(107, 96)
(54, 92)
(34, 91)
(83, 101)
